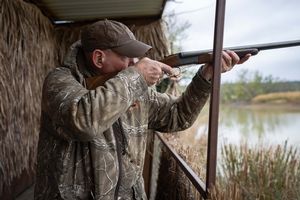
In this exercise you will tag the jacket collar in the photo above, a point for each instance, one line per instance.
(75, 61)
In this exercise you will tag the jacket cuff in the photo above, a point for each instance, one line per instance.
(199, 79)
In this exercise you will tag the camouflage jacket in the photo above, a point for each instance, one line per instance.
(92, 142)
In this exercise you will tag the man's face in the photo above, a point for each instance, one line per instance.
(113, 62)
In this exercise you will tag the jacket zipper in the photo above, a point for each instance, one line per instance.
(117, 132)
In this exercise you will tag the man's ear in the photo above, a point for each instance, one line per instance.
(97, 58)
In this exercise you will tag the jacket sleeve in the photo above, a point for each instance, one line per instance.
(168, 113)
(83, 114)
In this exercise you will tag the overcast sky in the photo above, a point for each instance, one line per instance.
(246, 22)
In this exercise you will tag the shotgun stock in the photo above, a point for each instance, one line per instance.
(199, 57)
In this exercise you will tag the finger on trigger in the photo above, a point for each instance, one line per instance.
(167, 69)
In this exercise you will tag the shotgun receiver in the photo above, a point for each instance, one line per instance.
(199, 57)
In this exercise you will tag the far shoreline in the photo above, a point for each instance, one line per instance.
(265, 106)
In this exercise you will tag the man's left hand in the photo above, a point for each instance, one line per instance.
(229, 60)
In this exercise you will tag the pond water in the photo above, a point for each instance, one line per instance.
(260, 124)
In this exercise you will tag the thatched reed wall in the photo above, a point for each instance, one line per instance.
(171, 181)
(29, 47)
(154, 35)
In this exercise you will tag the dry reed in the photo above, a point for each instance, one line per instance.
(153, 34)
(27, 53)
(278, 97)
(264, 173)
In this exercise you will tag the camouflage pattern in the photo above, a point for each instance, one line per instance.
(77, 154)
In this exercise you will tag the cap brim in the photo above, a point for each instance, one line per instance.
(132, 49)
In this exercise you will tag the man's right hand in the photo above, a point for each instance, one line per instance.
(152, 70)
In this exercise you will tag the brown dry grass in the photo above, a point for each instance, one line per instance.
(278, 97)
(264, 173)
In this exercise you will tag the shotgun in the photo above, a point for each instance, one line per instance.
(199, 57)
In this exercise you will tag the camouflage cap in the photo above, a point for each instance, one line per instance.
(109, 34)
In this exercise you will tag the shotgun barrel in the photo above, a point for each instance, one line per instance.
(205, 56)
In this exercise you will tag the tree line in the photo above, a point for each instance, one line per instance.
(250, 84)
